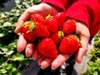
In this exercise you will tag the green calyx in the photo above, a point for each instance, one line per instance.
(60, 34)
(32, 26)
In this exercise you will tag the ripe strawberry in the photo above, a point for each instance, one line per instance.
(52, 24)
(47, 48)
(41, 30)
(57, 36)
(61, 19)
(29, 50)
(27, 31)
(30, 37)
(37, 18)
(69, 27)
(69, 44)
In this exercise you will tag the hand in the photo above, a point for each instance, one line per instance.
(42, 8)
(22, 44)
(83, 31)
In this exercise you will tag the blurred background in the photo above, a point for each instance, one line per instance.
(12, 62)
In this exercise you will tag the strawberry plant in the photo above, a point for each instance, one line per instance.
(11, 62)
(94, 63)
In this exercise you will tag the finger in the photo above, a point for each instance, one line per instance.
(80, 55)
(59, 61)
(84, 47)
(18, 26)
(45, 63)
(24, 17)
(29, 50)
(84, 38)
(40, 59)
(35, 55)
(21, 43)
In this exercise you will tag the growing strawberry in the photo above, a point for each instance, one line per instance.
(57, 37)
(69, 27)
(51, 23)
(69, 44)
(47, 48)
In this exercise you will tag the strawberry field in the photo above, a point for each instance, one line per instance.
(12, 62)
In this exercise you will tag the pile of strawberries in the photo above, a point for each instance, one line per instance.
(51, 35)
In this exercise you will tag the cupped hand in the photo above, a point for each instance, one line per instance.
(83, 31)
(43, 9)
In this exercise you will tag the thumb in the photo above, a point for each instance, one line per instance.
(82, 52)
(18, 26)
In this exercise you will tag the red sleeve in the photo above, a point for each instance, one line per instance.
(88, 12)
(78, 12)
(57, 3)
(94, 11)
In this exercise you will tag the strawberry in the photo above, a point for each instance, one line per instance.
(37, 18)
(41, 30)
(27, 31)
(51, 23)
(69, 27)
(69, 44)
(61, 19)
(47, 48)
(32, 29)
(57, 36)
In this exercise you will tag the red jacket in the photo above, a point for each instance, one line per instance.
(85, 11)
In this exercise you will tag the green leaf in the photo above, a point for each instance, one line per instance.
(17, 57)
(3, 71)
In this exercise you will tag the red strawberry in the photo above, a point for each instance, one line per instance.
(52, 24)
(47, 48)
(29, 50)
(61, 19)
(30, 37)
(37, 18)
(69, 27)
(57, 36)
(27, 31)
(69, 44)
(41, 30)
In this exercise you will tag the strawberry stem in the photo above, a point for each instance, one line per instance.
(32, 26)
